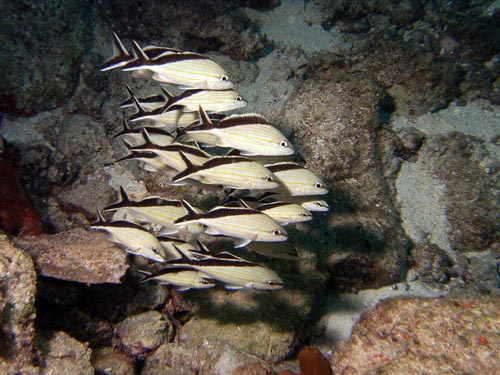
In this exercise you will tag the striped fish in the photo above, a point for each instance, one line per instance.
(312, 204)
(160, 211)
(296, 180)
(185, 69)
(316, 205)
(211, 100)
(184, 278)
(134, 137)
(173, 154)
(151, 162)
(120, 58)
(234, 272)
(136, 239)
(249, 133)
(285, 212)
(236, 172)
(147, 104)
(186, 248)
(239, 222)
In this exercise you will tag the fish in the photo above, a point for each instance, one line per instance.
(285, 212)
(236, 172)
(249, 133)
(120, 58)
(238, 222)
(186, 248)
(134, 137)
(136, 239)
(147, 104)
(184, 69)
(157, 210)
(278, 250)
(174, 117)
(316, 205)
(211, 100)
(151, 162)
(236, 273)
(296, 180)
(175, 154)
(184, 278)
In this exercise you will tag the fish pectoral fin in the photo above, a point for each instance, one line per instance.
(241, 242)
(233, 287)
(183, 289)
(248, 153)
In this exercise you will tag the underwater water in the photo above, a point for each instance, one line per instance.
(376, 123)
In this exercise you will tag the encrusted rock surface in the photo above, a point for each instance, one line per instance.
(142, 333)
(77, 255)
(111, 361)
(335, 125)
(415, 335)
(211, 357)
(62, 354)
(17, 310)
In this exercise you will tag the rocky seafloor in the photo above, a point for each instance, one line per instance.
(395, 104)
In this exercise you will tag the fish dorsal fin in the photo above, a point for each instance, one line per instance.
(126, 129)
(147, 139)
(202, 246)
(204, 119)
(181, 253)
(139, 53)
(169, 97)
(233, 152)
(127, 144)
(190, 209)
(129, 101)
(190, 168)
(140, 109)
(124, 198)
(244, 204)
(120, 55)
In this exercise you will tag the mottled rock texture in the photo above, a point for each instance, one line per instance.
(17, 310)
(413, 335)
(62, 354)
(77, 255)
(111, 361)
(212, 357)
(335, 123)
(41, 53)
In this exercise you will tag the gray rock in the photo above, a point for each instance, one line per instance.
(110, 361)
(62, 354)
(142, 333)
(17, 310)
(211, 357)
(77, 255)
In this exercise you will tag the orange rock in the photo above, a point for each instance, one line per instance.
(312, 362)
(287, 372)
(17, 214)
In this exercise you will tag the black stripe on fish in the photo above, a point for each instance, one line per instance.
(284, 166)
(138, 155)
(120, 56)
(150, 99)
(243, 119)
(101, 222)
(219, 212)
(125, 201)
(162, 272)
(149, 145)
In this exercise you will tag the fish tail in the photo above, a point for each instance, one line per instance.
(120, 55)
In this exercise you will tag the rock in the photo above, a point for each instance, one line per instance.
(431, 264)
(43, 44)
(17, 214)
(142, 333)
(335, 124)
(415, 335)
(110, 361)
(211, 357)
(313, 362)
(62, 354)
(77, 255)
(17, 310)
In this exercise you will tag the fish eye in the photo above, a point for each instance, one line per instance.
(155, 250)
(277, 232)
(224, 78)
(271, 283)
(239, 98)
(318, 185)
(269, 179)
(303, 214)
(283, 144)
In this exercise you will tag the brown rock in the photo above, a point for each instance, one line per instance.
(77, 255)
(313, 362)
(416, 335)
(17, 310)
(110, 361)
(65, 355)
(335, 124)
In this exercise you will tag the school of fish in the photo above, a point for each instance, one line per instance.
(265, 191)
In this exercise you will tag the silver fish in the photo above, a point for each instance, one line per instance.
(237, 172)
(157, 210)
(211, 100)
(296, 180)
(151, 162)
(136, 239)
(249, 133)
(242, 223)
(120, 56)
(172, 153)
(184, 278)
(285, 212)
(234, 272)
(134, 137)
(185, 69)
